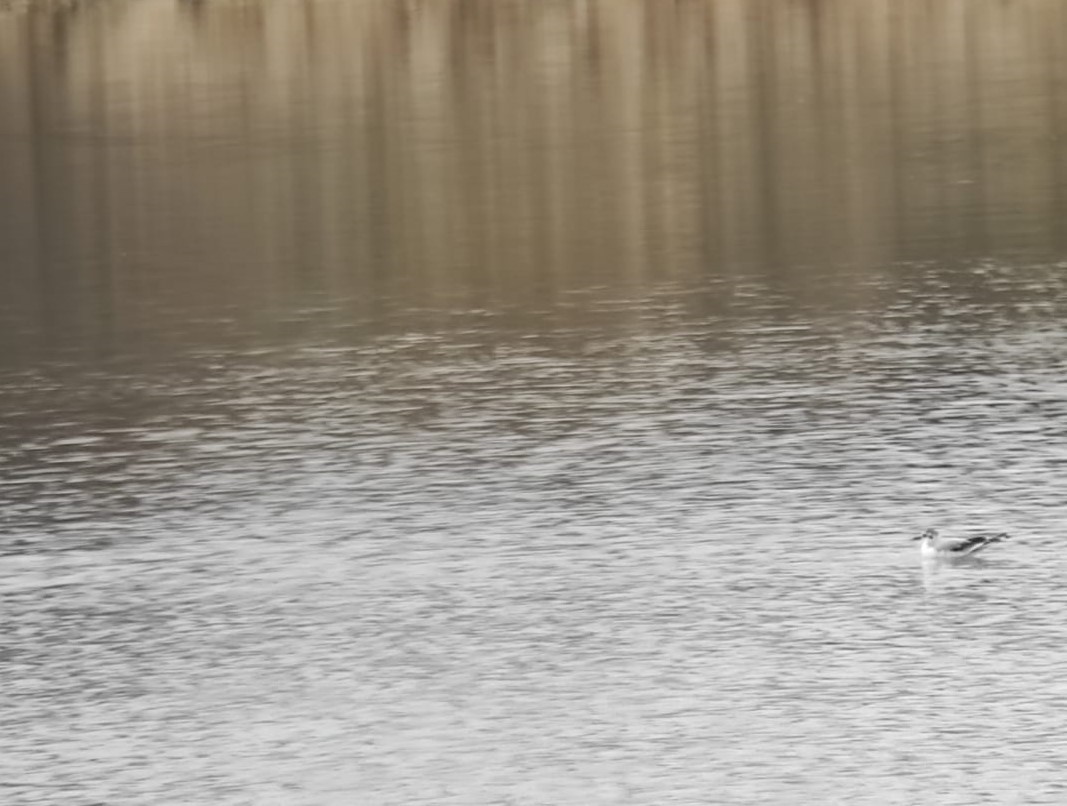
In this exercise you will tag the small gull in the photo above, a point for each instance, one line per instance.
(933, 545)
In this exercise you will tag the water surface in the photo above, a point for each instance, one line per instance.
(530, 403)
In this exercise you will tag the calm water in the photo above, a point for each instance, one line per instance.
(529, 403)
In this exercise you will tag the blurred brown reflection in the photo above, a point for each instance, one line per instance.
(176, 171)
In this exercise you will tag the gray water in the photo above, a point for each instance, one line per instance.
(531, 403)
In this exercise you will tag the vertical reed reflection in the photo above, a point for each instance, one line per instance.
(162, 164)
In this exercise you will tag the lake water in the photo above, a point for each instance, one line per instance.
(531, 403)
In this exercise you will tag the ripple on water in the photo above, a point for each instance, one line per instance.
(629, 570)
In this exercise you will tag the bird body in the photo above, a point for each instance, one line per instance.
(932, 544)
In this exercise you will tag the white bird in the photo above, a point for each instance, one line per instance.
(933, 545)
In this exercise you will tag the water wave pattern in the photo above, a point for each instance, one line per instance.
(661, 558)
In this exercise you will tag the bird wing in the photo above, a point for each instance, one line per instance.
(963, 545)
